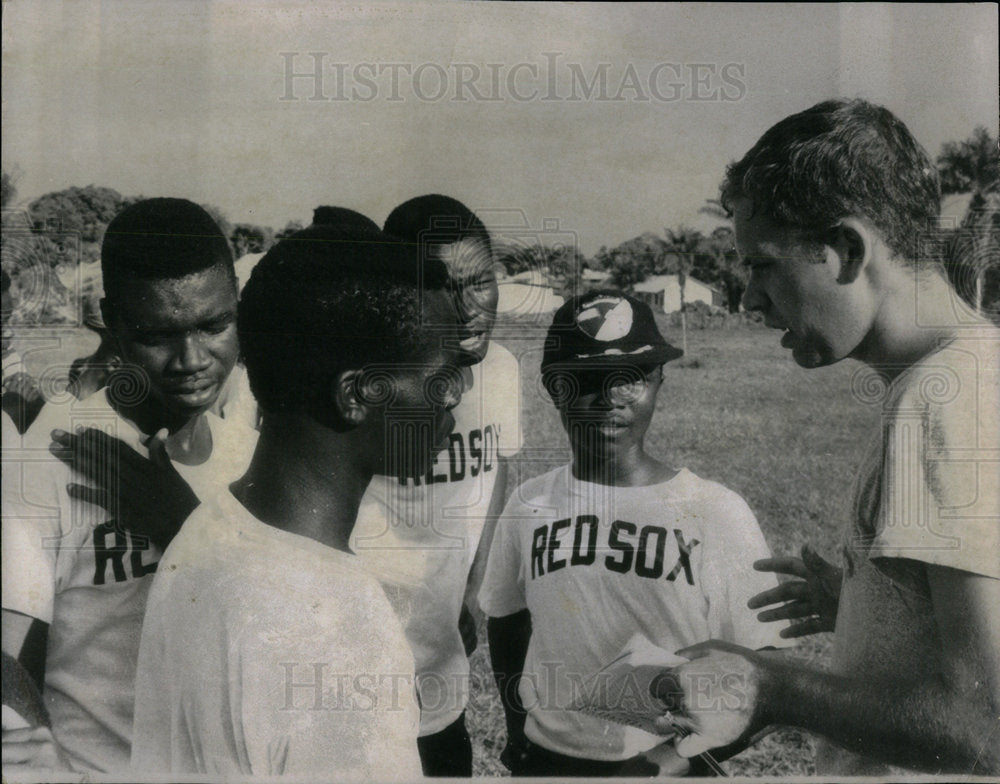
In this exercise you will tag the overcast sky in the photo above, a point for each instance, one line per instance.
(498, 104)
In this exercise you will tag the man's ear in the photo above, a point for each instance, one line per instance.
(347, 397)
(853, 241)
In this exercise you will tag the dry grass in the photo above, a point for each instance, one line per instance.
(737, 410)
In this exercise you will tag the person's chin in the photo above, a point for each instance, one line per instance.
(804, 353)
(475, 346)
(193, 402)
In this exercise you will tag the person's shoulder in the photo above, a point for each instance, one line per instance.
(202, 541)
(536, 491)
(710, 495)
(975, 350)
(66, 414)
(960, 377)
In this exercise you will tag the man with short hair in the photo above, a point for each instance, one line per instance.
(75, 580)
(425, 529)
(832, 208)
(267, 650)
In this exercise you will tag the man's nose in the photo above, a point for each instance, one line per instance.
(594, 400)
(192, 356)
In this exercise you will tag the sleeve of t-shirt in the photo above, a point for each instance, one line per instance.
(730, 618)
(32, 534)
(941, 480)
(506, 386)
(502, 592)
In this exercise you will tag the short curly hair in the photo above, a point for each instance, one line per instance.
(434, 219)
(840, 158)
(161, 238)
(328, 299)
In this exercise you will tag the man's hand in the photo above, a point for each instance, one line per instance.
(146, 495)
(32, 748)
(717, 698)
(813, 598)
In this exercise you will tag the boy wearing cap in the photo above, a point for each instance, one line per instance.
(613, 544)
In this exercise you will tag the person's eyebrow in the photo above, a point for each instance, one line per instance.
(218, 318)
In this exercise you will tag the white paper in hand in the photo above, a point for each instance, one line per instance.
(621, 690)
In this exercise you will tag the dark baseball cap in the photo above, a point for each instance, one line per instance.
(604, 328)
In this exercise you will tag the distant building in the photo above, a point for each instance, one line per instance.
(592, 277)
(664, 292)
(525, 293)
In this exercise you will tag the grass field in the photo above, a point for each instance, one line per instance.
(736, 410)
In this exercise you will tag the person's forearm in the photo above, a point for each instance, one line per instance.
(917, 724)
(497, 500)
(508, 638)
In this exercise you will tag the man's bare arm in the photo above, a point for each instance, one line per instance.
(509, 637)
(947, 721)
(497, 501)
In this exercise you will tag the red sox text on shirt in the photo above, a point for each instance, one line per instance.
(628, 548)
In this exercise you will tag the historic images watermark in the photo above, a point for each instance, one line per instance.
(318, 76)
(320, 686)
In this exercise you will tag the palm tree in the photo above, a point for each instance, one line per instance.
(970, 166)
(973, 166)
(684, 244)
(730, 271)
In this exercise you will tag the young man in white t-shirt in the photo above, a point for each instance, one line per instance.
(267, 650)
(75, 579)
(424, 530)
(835, 210)
(614, 544)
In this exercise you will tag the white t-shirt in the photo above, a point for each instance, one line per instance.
(236, 401)
(595, 565)
(266, 653)
(928, 492)
(421, 535)
(68, 564)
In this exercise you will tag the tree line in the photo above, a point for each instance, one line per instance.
(68, 225)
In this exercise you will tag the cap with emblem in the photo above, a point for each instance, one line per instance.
(605, 328)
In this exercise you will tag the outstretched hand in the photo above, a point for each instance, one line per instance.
(811, 601)
(147, 496)
(29, 750)
(713, 698)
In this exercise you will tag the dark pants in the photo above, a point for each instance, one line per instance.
(448, 752)
(536, 761)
